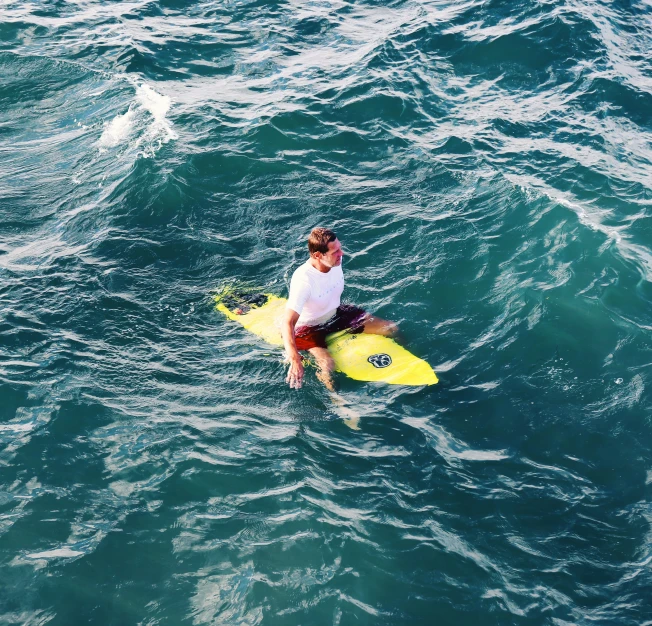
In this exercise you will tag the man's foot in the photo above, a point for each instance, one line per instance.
(352, 422)
(351, 418)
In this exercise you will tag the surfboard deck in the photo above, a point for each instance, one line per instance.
(364, 357)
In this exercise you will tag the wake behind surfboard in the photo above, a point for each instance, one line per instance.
(360, 356)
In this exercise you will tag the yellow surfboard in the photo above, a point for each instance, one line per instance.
(360, 356)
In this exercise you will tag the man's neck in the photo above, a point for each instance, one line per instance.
(319, 266)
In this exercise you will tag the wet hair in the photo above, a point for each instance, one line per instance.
(319, 240)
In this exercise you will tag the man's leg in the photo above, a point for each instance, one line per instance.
(376, 326)
(325, 366)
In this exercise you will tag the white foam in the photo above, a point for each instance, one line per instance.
(65, 552)
(483, 455)
(145, 120)
(16, 428)
(158, 106)
(118, 129)
(451, 449)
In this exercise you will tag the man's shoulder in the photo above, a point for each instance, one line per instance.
(301, 275)
(298, 271)
(303, 271)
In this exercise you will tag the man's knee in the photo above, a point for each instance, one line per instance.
(378, 326)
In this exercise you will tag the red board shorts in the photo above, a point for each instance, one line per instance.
(347, 317)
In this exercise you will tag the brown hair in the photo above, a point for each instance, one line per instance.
(319, 240)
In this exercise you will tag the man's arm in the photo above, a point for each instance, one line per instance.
(295, 373)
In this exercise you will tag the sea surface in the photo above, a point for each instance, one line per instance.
(487, 166)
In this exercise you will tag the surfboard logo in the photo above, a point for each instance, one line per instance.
(380, 360)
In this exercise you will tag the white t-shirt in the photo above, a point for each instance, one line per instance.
(315, 295)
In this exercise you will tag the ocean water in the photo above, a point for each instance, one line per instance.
(487, 166)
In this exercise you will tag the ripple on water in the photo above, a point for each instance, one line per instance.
(487, 168)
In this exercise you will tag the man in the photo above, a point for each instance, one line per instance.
(313, 309)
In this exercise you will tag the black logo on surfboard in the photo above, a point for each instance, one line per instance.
(380, 360)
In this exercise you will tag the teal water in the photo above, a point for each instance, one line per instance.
(487, 167)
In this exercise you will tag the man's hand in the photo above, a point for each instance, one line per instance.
(295, 373)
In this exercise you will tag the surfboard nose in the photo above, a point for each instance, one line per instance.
(368, 357)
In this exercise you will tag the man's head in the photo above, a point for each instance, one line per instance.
(325, 247)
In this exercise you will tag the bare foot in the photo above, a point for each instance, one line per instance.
(351, 418)
(352, 422)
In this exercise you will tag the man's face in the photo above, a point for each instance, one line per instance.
(333, 257)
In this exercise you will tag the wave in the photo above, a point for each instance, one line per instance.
(146, 119)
